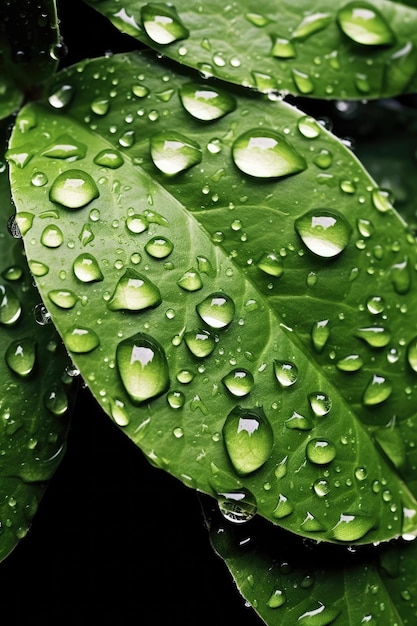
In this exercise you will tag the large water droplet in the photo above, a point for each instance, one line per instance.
(162, 23)
(311, 24)
(173, 152)
(176, 399)
(65, 147)
(100, 106)
(310, 524)
(239, 382)
(81, 340)
(52, 236)
(206, 103)
(266, 154)
(10, 309)
(375, 305)
(374, 336)
(63, 298)
(352, 526)
(285, 372)
(109, 158)
(216, 310)
(363, 24)
(325, 233)
(137, 223)
(134, 292)
(201, 343)
(159, 247)
(283, 508)
(73, 189)
(20, 356)
(237, 506)
(143, 367)
(190, 280)
(320, 451)
(378, 390)
(248, 438)
(86, 268)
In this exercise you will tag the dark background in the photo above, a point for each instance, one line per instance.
(115, 540)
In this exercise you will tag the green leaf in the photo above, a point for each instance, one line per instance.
(35, 388)
(201, 312)
(288, 581)
(342, 50)
(30, 47)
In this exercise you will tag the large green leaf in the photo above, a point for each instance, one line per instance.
(337, 49)
(35, 386)
(170, 290)
(288, 581)
(30, 47)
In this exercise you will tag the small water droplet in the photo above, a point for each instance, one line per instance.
(320, 334)
(137, 223)
(118, 412)
(310, 524)
(81, 340)
(63, 298)
(276, 599)
(352, 526)
(73, 189)
(302, 81)
(61, 96)
(86, 268)
(266, 154)
(363, 24)
(20, 356)
(308, 127)
(325, 233)
(285, 372)
(176, 399)
(100, 106)
(321, 616)
(201, 343)
(39, 179)
(412, 354)
(271, 264)
(311, 24)
(190, 280)
(52, 236)
(10, 308)
(127, 139)
(140, 91)
(239, 382)
(374, 336)
(377, 391)
(216, 310)
(237, 506)
(282, 48)
(401, 276)
(206, 103)
(159, 247)
(143, 367)
(134, 292)
(162, 23)
(283, 508)
(375, 304)
(257, 19)
(248, 438)
(298, 422)
(350, 363)
(320, 403)
(185, 376)
(320, 451)
(109, 158)
(321, 487)
(173, 152)
(12, 273)
(56, 400)
(381, 199)
(324, 159)
(361, 473)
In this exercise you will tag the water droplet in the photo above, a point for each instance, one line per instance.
(320, 403)
(201, 343)
(276, 599)
(216, 310)
(352, 526)
(324, 159)
(162, 23)
(52, 236)
(302, 81)
(12, 273)
(361, 473)
(310, 524)
(65, 147)
(176, 399)
(283, 508)
(206, 103)
(362, 83)
(73, 189)
(63, 298)
(100, 106)
(41, 314)
(39, 179)
(239, 382)
(109, 158)
(86, 268)
(248, 438)
(375, 304)
(61, 96)
(374, 336)
(24, 221)
(137, 223)
(143, 367)
(118, 412)
(321, 616)
(311, 24)
(298, 422)
(350, 363)
(20, 356)
(321, 487)
(159, 247)
(320, 451)
(134, 292)
(412, 354)
(266, 154)
(140, 91)
(127, 139)
(237, 506)
(325, 233)
(10, 309)
(365, 227)
(381, 199)
(285, 372)
(308, 127)
(320, 334)
(81, 340)
(271, 264)
(173, 153)
(282, 48)
(55, 400)
(190, 280)
(363, 24)
(400, 68)
(257, 19)
(401, 276)
(378, 390)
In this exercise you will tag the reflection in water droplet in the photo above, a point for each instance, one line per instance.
(237, 506)
(109, 158)
(159, 247)
(201, 343)
(325, 233)
(190, 280)
(173, 152)
(73, 189)
(352, 526)
(283, 508)
(52, 236)
(100, 106)
(162, 23)
(216, 310)
(282, 48)
(320, 334)
(363, 24)
(134, 292)
(310, 524)
(81, 340)
(320, 403)
(320, 451)
(324, 159)
(266, 154)
(206, 103)
(285, 372)
(41, 314)
(143, 367)
(248, 438)
(86, 268)
(381, 199)
(239, 382)
(10, 308)
(63, 298)
(378, 390)
(271, 264)
(20, 356)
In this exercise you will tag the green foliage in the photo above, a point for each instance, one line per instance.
(234, 288)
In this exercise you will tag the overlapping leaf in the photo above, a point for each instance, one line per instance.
(170, 289)
(35, 389)
(338, 49)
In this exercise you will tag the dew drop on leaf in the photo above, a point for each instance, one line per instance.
(52, 236)
(320, 403)
(302, 81)
(238, 382)
(374, 336)
(118, 412)
(401, 276)
(162, 23)
(352, 526)
(381, 199)
(298, 422)
(363, 24)
(137, 223)
(276, 599)
(324, 159)
(216, 310)
(81, 340)
(350, 363)
(321, 487)
(65, 147)
(325, 233)
(320, 616)
(100, 106)
(206, 103)
(173, 152)
(23, 221)
(41, 314)
(308, 127)
(320, 333)
(320, 451)
(375, 305)
(310, 524)
(20, 356)
(283, 508)
(73, 189)
(237, 506)
(143, 367)
(248, 438)
(87, 269)
(39, 179)
(412, 354)
(61, 96)
(271, 264)
(200, 343)
(311, 24)
(379, 388)
(63, 298)
(266, 154)
(134, 292)
(10, 308)
(56, 400)
(159, 247)
(286, 372)
(190, 280)
(176, 399)
(282, 48)
(109, 158)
